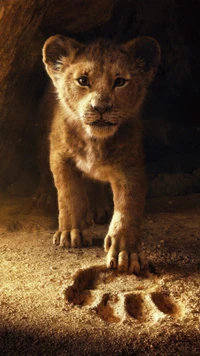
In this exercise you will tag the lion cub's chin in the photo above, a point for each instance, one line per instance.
(101, 132)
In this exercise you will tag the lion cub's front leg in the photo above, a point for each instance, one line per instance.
(74, 214)
(123, 241)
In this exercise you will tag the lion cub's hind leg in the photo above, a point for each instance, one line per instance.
(100, 199)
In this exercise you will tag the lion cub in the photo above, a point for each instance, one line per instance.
(94, 119)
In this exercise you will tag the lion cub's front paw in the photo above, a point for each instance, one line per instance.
(73, 238)
(123, 257)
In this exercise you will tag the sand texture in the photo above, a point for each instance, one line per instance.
(59, 302)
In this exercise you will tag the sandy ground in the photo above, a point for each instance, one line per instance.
(56, 301)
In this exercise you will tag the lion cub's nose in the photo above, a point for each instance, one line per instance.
(101, 108)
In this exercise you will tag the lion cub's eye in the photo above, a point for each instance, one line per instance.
(83, 81)
(119, 82)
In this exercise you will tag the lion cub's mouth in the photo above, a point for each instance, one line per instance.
(102, 123)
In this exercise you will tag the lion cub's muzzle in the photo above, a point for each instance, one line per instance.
(102, 115)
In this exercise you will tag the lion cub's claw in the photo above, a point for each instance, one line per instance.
(74, 238)
(124, 261)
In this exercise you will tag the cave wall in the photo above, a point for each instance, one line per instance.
(171, 105)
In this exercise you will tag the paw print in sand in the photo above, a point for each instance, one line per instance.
(114, 299)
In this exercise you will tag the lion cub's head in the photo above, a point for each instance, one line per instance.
(102, 84)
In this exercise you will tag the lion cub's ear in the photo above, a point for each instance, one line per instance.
(58, 51)
(145, 52)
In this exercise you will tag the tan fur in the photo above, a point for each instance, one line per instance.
(95, 129)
